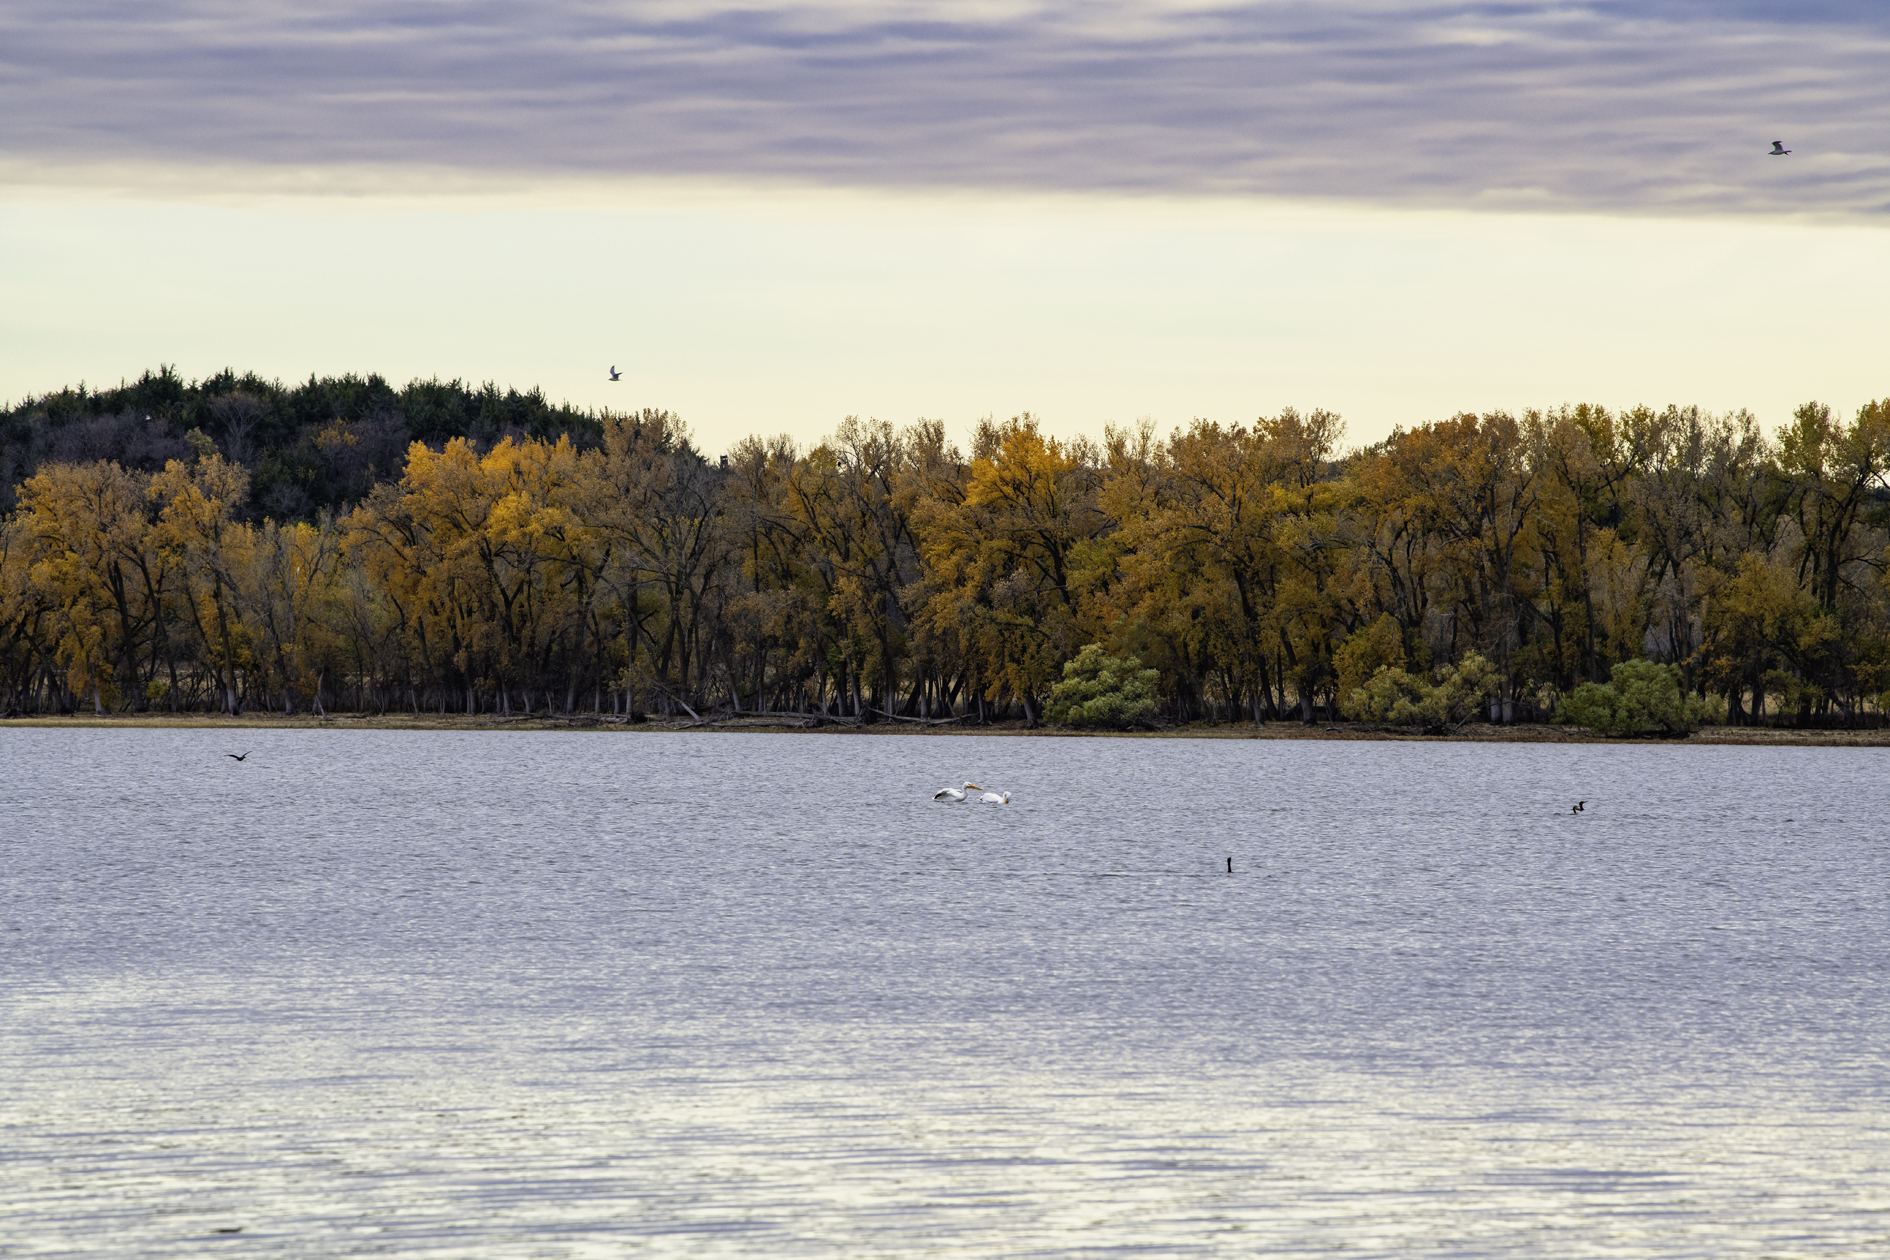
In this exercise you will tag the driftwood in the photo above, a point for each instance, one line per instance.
(679, 700)
(803, 721)
(924, 721)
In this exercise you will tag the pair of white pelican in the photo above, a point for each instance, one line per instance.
(953, 796)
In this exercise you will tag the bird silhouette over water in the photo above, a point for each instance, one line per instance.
(1578, 807)
(614, 373)
(236, 757)
(1779, 149)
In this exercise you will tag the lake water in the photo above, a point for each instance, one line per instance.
(546, 995)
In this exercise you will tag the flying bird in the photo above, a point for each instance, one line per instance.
(614, 373)
(235, 757)
(952, 796)
(1779, 149)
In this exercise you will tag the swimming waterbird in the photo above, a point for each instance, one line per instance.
(952, 796)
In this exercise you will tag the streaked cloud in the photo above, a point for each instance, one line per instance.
(1614, 107)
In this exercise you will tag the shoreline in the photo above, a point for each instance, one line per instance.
(1471, 733)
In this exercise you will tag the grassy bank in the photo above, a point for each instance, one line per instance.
(1470, 733)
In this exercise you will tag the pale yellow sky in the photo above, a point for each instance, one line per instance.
(767, 309)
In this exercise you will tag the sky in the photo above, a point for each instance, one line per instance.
(774, 215)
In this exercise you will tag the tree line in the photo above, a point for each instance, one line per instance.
(1261, 571)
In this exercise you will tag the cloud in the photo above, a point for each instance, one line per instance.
(1665, 106)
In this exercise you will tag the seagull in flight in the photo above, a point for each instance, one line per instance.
(1778, 149)
(234, 757)
(614, 373)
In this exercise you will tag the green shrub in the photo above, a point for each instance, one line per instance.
(1403, 699)
(1392, 695)
(1640, 698)
(1377, 646)
(1103, 691)
(1791, 694)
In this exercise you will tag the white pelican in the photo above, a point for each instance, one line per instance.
(992, 798)
(952, 796)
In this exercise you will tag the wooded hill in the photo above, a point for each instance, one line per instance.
(1260, 570)
(318, 445)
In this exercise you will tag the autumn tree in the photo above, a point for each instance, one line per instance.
(198, 534)
(1004, 556)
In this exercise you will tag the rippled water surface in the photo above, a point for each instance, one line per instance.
(495, 995)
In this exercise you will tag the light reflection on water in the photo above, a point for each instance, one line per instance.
(377, 993)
